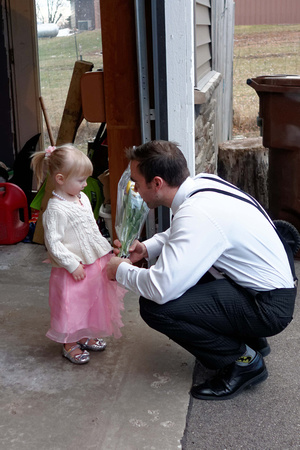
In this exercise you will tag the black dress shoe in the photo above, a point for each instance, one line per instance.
(231, 380)
(259, 344)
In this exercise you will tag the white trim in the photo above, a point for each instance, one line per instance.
(180, 76)
(206, 87)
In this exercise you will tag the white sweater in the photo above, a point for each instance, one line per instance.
(72, 235)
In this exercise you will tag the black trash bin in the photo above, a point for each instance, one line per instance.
(279, 118)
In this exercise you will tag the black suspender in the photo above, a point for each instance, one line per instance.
(252, 201)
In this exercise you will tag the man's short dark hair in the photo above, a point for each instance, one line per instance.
(160, 158)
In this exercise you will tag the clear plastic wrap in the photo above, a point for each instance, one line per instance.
(131, 213)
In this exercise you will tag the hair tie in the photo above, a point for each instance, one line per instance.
(49, 150)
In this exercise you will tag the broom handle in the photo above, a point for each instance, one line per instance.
(47, 121)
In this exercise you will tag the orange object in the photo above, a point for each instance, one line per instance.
(92, 96)
(13, 203)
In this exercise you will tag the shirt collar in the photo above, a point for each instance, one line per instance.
(187, 186)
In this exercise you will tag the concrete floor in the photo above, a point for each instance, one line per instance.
(265, 417)
(133, 396)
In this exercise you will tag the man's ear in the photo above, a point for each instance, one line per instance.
(59, 178)
(158, 182)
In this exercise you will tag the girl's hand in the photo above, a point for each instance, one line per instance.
(79, 273)
(118, 245)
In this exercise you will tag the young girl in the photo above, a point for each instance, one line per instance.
(83, 302)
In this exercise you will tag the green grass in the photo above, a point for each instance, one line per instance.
(57, 57)
(260, 51)
(67, 48)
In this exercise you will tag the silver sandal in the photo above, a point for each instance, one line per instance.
(98, 346)
(81, 358)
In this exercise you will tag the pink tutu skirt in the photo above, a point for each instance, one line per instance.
(89, 308)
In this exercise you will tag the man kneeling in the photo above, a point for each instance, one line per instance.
(223, 280)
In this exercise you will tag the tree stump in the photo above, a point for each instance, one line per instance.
(245, 163)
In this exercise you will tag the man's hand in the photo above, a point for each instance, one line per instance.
(79, 273)
(112, 266)
(137, 250)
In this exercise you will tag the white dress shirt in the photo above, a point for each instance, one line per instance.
(210, 229)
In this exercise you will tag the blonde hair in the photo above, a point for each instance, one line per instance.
(66, 159)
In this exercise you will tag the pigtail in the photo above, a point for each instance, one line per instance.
(39, 165)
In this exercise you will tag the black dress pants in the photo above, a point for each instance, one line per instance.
(212, 320)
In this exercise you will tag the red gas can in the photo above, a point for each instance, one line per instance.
(13, 206)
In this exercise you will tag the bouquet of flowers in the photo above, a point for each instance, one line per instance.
(131, 213)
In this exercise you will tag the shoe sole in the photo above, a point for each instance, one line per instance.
(76, 363)
(256, 380)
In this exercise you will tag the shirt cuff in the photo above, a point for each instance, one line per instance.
(153, 249)
(122, 273)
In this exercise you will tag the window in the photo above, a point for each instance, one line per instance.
(203, 54)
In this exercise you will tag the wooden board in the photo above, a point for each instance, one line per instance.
(72, 115)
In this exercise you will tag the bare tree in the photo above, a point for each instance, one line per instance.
(39, 13)
(53, 11)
